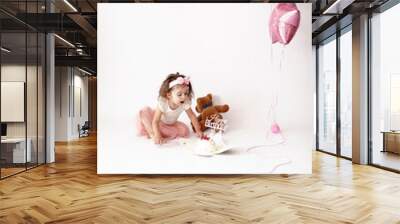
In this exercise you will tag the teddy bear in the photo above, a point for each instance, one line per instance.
(205, 108)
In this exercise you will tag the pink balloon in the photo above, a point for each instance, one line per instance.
(283, 23)
(275, 128)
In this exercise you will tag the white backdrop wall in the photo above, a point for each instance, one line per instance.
(227, 51)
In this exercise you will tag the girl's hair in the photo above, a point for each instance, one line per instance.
(164, 89)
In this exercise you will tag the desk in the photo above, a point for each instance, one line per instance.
(13, 150)
(391, 141)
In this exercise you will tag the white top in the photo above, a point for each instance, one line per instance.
(170, 116)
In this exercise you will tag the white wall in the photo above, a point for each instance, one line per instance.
(80, 84)
(314, 74)
(62, 81)
(68, 83)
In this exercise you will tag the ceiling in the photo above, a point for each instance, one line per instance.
(76, 22)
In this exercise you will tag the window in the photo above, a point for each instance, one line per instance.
(327, 96)
(385, 89)
(346, 93)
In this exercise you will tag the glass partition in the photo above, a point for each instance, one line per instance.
(13, 95)
(22, 101)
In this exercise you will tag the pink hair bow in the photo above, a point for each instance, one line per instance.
(183, 81)
(180, 81)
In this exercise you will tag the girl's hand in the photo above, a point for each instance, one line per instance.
(195, 122)
(158, 139)
(200, 134)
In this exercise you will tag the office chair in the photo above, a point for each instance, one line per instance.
(84, 130)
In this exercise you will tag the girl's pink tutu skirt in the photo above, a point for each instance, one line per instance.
(170, 131)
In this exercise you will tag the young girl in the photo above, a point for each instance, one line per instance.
(162, 123)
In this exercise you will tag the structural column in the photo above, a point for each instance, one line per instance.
(360, 90)
(50, 92)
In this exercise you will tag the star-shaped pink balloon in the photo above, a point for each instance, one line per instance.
(283, 23)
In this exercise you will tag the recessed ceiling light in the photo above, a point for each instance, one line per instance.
(84, 71)
(338, 6)
(5, 50)
(64, 40)
(70, 5)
